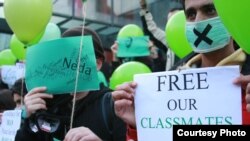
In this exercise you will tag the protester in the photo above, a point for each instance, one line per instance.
(151, 61)
(19, 90)
(94, 118)
(6, 102)
(222, 52)
(157, 35)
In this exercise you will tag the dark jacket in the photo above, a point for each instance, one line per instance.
(95, 111)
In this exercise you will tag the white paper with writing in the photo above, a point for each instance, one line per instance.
(11, 73)
(11, 121)
(193, 96)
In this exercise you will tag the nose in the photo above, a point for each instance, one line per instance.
(200, 16)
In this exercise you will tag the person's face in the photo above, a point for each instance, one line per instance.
(199, 10)
(17, 100)
(99, 63)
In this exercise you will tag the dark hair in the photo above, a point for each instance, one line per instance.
(3, 85)
(18, 86)
(6, 100)
(77, 31)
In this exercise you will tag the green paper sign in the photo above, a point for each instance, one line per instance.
(54, 64)
(133, 46)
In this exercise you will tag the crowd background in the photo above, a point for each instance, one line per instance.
(152, 18)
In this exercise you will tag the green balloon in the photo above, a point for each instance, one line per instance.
(235, 16)
(175, 35)
(36, 40)
(27, 18)
(7, 57)
(130, 30)
(52, 32)
(17, 48)
(126, 72)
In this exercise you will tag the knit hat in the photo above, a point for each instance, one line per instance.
(77, 31)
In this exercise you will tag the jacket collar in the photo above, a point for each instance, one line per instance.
(237, 58)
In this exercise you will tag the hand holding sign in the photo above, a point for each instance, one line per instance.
(35, 100)
(244, 82)
(124, 102)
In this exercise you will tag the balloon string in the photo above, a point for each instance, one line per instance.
(22, 103)
(78, 67)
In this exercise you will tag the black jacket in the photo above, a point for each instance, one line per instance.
(95, 111)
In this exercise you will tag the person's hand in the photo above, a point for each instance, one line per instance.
(153, 50)
(248, 97)
(81, 134)
(244, 81)
(34, 100)
(114, 49)
(123, 98)
(143, 4)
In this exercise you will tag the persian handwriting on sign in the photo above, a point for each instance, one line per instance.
(58, 67)
(63, 67)
(48, 70)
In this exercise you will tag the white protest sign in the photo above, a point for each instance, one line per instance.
(11, 73)
(11, 121)
(205, 96)
(20, 73)
(20, 66)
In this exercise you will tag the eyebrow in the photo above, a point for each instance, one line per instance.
(18, 101)
(209, 5)
(202, 7)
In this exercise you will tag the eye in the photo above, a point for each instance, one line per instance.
(190, 14)
(211, 11)
(18, 102)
